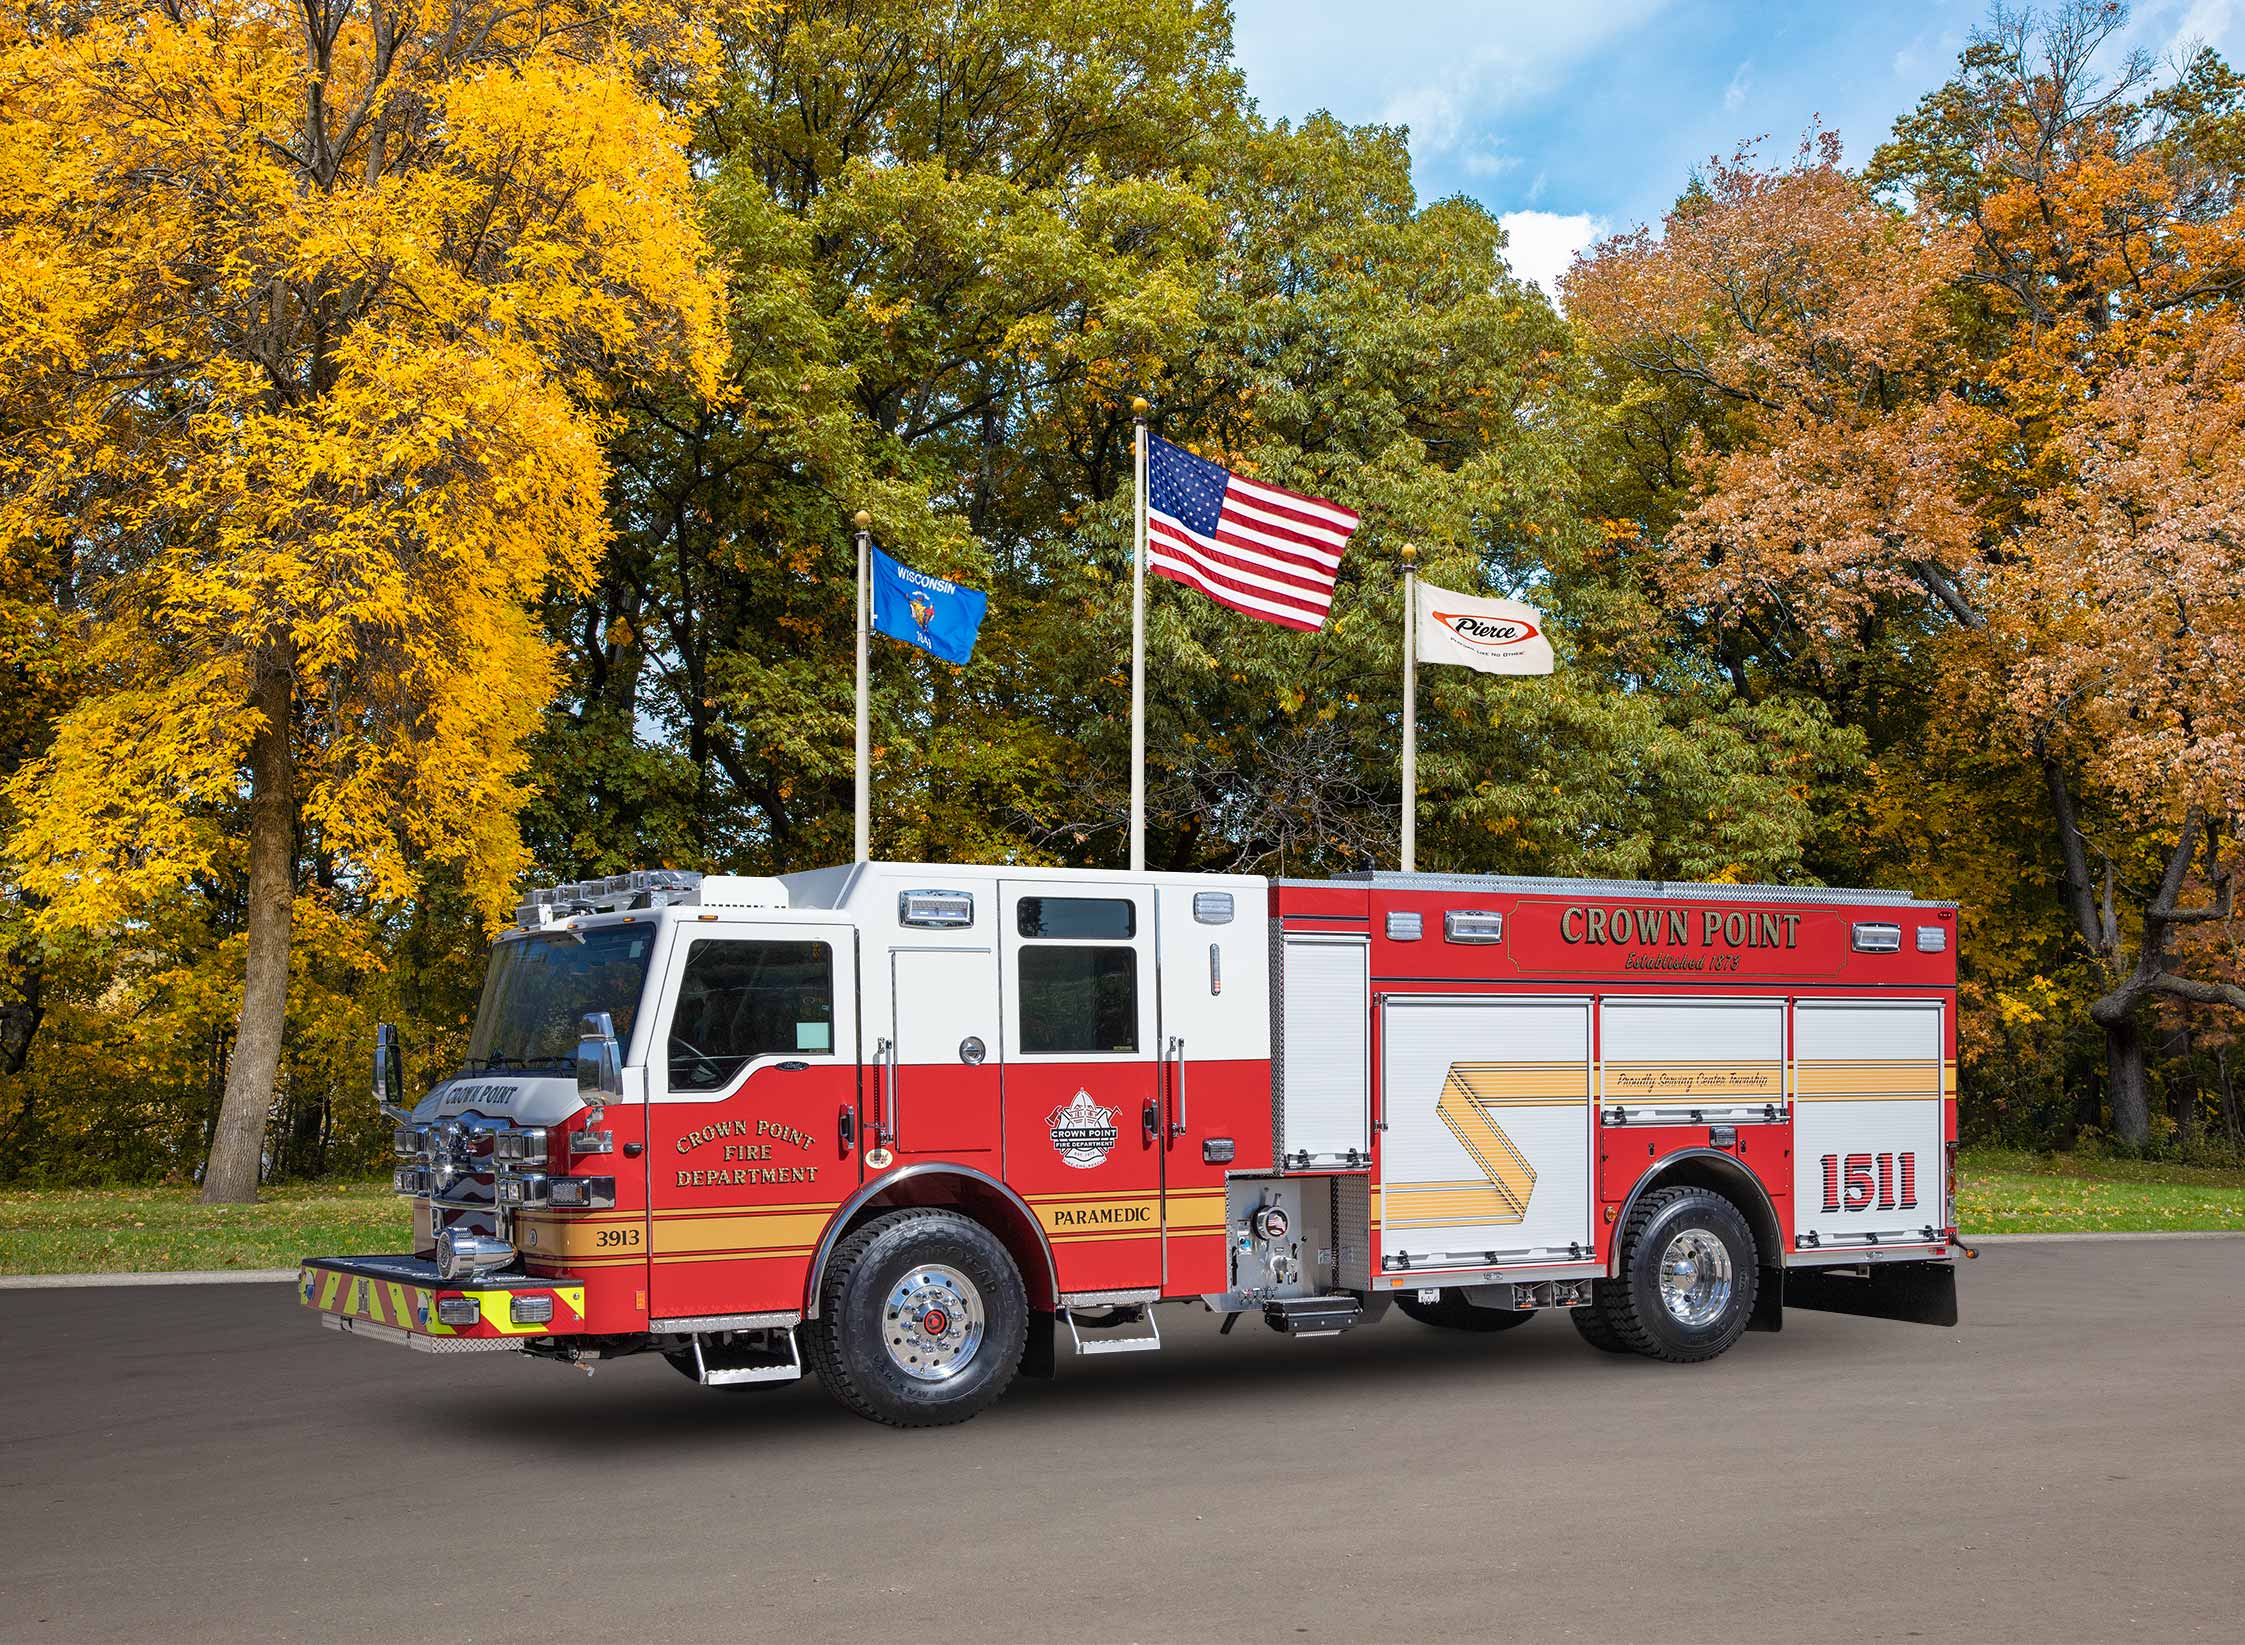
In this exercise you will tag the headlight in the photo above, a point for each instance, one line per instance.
(527, 1189)
(407, 1142)
(530, 1310)
(459, 1310)
(410, 1179)
(527, 1144)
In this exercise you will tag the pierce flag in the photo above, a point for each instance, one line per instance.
(1494, 636)
(939, 616)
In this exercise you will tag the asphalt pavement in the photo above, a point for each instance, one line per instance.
(2069, 1464)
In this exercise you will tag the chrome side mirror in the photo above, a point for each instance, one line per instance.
(389, 1072)
(600, 1065)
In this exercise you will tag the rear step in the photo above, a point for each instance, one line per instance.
(1313, 1316)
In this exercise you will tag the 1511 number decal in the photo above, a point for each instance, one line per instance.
(1862, 1182)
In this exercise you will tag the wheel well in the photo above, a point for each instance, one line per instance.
(1718, 1173)
(956, 1188)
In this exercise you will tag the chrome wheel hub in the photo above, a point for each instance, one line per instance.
(932, 1322)
(1695, 1278)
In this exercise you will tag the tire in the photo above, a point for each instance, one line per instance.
(1454, 1313)
(922, 1320)
(1682, 1314)
(1590, 1321)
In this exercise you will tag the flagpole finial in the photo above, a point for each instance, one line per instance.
(1410, 552)
(1139, 407)
(862, 520)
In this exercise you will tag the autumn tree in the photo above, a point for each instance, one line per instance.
(312, 315)
(1894, 409)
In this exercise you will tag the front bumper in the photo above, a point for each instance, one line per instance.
(396, 1299)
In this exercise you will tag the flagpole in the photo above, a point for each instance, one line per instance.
(1410, 711)
(864, 738)
(1138, 410)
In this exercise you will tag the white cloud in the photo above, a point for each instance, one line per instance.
(1540, 244)
(2205, 22)
(1734, 94)
(1445, 68)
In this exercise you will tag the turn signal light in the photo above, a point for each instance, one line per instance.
(459, 1311)
(530, 1310)
(582, 1193)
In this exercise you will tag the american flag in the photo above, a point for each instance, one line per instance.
(1270, 553)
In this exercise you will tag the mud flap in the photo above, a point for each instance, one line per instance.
(1917, 1293)
(1769, 1302)
(1039, 1354)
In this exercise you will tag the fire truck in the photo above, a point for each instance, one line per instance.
(926, 1128)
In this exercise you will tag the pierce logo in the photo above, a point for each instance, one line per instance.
(1487, 633)
(1082, 1132)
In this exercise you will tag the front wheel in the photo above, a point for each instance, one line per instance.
(1689, 1271)
(922, 1320)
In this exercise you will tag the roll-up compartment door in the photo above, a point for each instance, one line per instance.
(1867, 1131)
(1324, 1111)
(1676, 1062)
(1486, 1157)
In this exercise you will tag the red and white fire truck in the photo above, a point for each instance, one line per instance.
(923, 1127)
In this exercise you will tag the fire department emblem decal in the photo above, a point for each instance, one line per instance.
(1083, 1132)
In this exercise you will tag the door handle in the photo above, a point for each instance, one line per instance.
(845, 1126)
(1177, 1118)
(1149, 1121)
(885, 1050)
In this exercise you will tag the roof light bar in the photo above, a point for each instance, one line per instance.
(610, 894)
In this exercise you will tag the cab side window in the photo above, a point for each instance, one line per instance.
(743, 1000)
(1077, 995)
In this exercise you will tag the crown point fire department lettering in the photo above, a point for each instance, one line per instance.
(745, 1173)
(1083, 1133)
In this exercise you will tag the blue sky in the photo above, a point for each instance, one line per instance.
(1574, 118)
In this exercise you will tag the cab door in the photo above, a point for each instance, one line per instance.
(752, 1090)
(1082, 1050)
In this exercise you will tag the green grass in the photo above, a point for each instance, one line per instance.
(2000, 1191)
(146, 1230)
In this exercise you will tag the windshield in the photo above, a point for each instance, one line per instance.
(540, 987)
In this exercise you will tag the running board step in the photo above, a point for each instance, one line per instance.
(1313, 1316)
(1115, 1345)
(776, 1369)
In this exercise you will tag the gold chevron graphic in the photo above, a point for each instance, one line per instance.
(1469, 1086)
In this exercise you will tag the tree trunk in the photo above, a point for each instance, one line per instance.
(238, 1141)
(2124, 1081)
(2230, 1117)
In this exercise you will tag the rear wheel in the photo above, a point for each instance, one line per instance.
(1689, 1272)
(922, 1318)
(1590, 1321)
(1454, 1313)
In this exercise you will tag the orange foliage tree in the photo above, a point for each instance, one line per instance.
(1974, 407)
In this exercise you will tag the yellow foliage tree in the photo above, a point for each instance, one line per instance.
(307, 317)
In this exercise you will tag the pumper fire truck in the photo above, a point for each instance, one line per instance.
(922, 1127)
